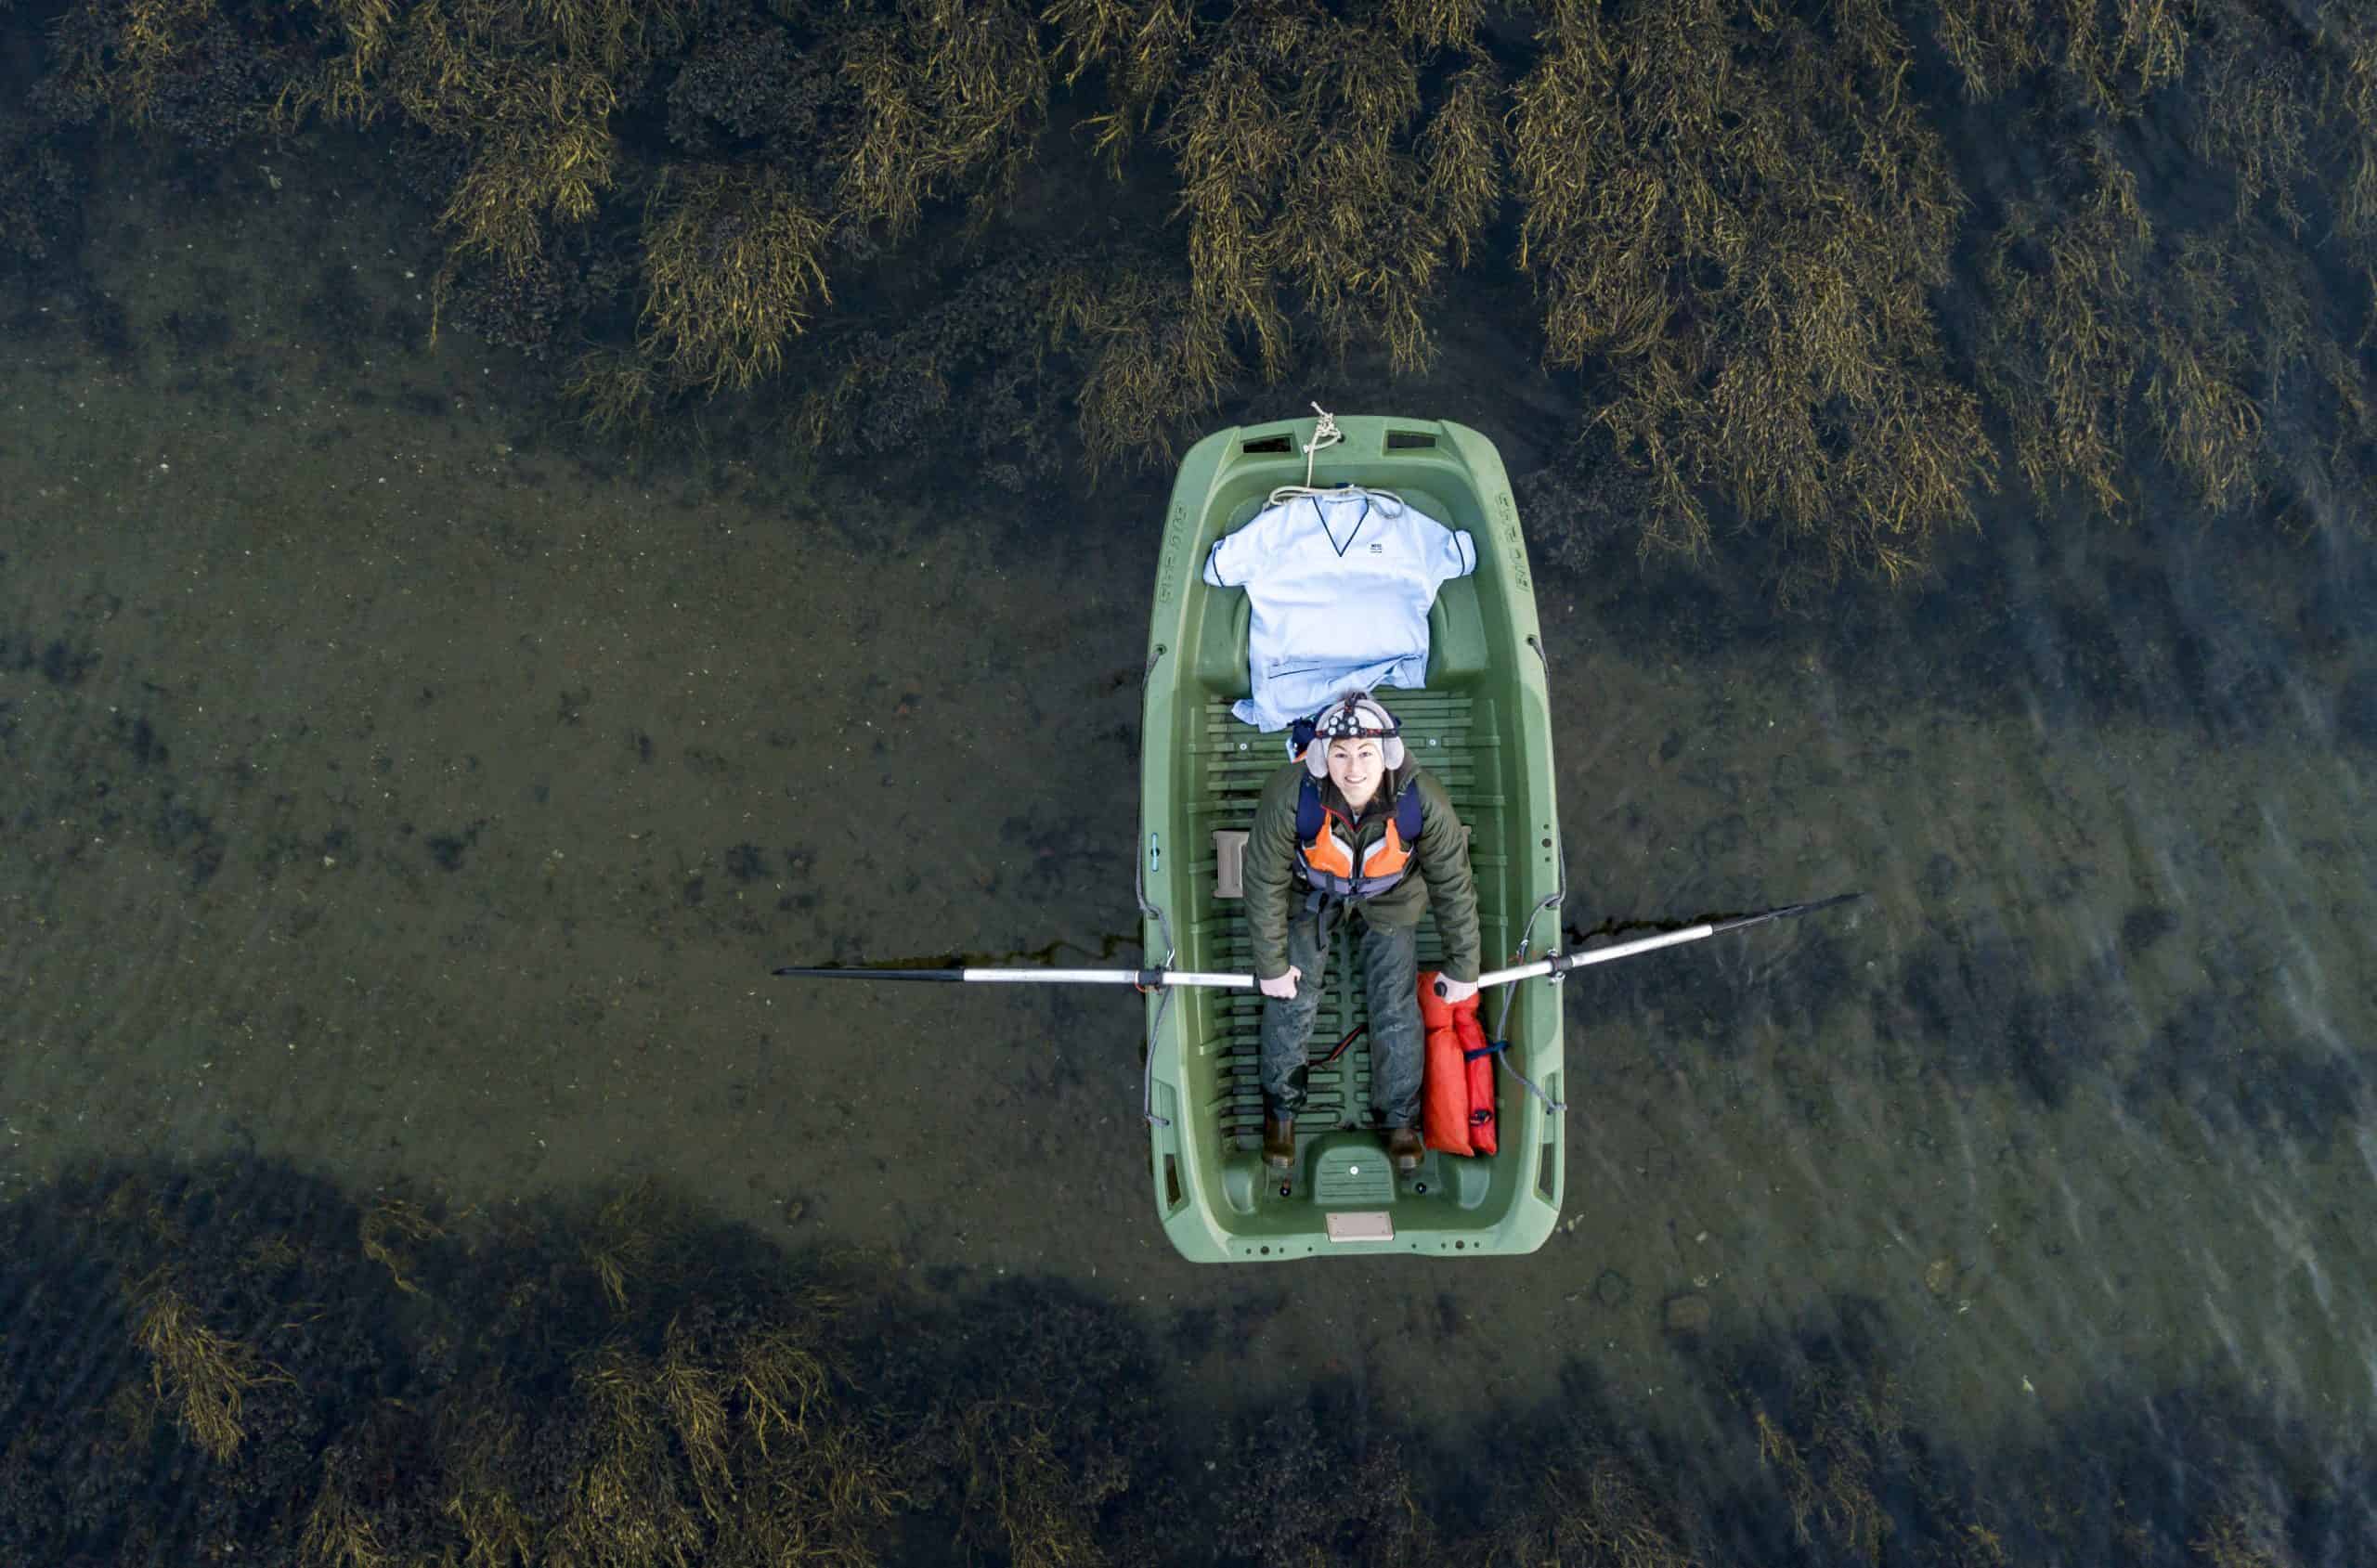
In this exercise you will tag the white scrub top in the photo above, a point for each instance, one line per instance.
(1340, 587)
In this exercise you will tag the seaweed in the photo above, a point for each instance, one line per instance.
(1740, 225)
(1320, 1478)
(1737, 220)
(732, 265)
(2063, 286)
(1288, 101)
(2109, 57)
(179, 69)
(951, 98)
(257, 1367)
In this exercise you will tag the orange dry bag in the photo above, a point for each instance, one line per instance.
(1457, 1088)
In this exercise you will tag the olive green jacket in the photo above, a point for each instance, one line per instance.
(1439, 878)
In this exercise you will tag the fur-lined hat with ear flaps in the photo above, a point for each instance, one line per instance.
(1355, 716)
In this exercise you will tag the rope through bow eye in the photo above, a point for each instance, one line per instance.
(1325, 434)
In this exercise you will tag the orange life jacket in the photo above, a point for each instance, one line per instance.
(1324, 845)
(1457, 1083)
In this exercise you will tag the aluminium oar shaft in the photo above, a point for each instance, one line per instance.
(1560, 962)
(1150, 978)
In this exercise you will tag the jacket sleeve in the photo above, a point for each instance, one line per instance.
(1452, 890)
(1269, 874)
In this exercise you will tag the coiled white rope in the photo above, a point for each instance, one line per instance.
(1325, 433)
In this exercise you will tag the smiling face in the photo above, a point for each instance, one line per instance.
(1355, 767)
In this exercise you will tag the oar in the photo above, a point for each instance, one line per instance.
(1153, 979)
(1560, 962)
(1145, 979)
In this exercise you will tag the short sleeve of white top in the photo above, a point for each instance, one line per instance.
(1340, 588)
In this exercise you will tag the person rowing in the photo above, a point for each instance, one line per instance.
(1353, 824)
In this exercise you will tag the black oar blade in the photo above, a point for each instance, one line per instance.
(1739, 921)
(794, 972)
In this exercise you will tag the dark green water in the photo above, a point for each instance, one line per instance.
(404, 795)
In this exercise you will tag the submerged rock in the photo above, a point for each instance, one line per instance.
(1686, 1314)
(1939, 1274)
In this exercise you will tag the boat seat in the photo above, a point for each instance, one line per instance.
(1456, 640)
(1458, 653)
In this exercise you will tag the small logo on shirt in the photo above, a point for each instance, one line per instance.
(1377, 549)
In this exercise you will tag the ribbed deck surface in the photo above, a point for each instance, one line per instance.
(1456, 738)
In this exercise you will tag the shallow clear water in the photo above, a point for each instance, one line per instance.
(395, 793)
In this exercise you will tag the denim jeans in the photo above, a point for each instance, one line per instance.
(1390, 959)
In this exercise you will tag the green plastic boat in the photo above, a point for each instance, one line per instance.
(1483, 727)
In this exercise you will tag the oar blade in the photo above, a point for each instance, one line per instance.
(1742, 921)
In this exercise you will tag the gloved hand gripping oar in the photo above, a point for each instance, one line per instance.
(1154, 979)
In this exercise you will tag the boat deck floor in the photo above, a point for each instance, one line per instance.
(1453, 736)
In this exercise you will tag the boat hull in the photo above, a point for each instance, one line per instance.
(1482, 726)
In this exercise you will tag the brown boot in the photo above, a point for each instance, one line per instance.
(1279, 1140)
(1403, 1147)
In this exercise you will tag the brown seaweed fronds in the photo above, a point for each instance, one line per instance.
(344, 87)
(1231, 140)
(869, 362)
(615, 33)
(1152, 357)
(2348, 102)
(1306, 155)
(622, 1241)
(479, 1434)
(2112, 54)
(2152, 51)
(1829, 1479)
(1992, 44)
(2239, 305)
(951, 97)
(626, 1503)
(1140, 44)
(1741, 221)
(2256, 124)
(2064, 344)
(2257, 110)
(616, 391)
(1589, 1505)
(1568, 171)
(1436, 24)
(149, 37)
(1462, 150)
(541, 151)
(778, 1378)
(2209, 423)
(339, 1533)
(694, 1399)
(2246, 1538)
(1046, 1513)
(527, 87)
(391, 1223)
(732, 267)
(1358, 244)
(204, 1375)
